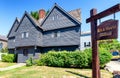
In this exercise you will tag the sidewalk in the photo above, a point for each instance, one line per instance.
(113, 66)
(13, 67)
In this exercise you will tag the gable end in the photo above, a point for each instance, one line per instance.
(58, 7)
(31, 19)
(16, 21)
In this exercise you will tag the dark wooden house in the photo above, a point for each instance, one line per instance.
(59, 30)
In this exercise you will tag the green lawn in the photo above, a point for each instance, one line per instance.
(50, 72)
(5, 64)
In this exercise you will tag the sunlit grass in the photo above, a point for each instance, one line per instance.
(50, 72)
(5, 64)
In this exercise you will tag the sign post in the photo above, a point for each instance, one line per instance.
(95, 61)
(106, 30)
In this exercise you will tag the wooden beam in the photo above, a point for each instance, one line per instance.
(95, 57)
(102, 14)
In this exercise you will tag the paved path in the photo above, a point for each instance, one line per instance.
(113, 66)
(13, 67)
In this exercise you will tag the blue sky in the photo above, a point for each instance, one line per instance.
(10, 9)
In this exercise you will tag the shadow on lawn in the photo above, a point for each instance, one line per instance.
(77, 74)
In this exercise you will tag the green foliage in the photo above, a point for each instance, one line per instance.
(64, 59)
(8, 58)
(39, 62)
(4, 50)
(30, 62)
(89, 56)
(47, 12)
(35, 15)
(81, 59)
(110, 44)
(105, 56)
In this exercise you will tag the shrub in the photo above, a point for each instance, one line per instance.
(29, 62)
(39, 62)
(89, 56)
(81, 59)
(105, 56)
(8, 58)
(64, 59)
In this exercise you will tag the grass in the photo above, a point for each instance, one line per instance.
(50, 72)
(5, 64)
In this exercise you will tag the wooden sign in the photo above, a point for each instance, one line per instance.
(108, 30)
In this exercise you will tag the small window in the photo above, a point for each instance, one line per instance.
(57, 17)
(22, 35)
(14, 40)
(55, 34)
(53, 18)
(25, 35)
(52, 35)
(87, 44)
(58, 33)
(25, 52)
(84, 44)
(1, 46)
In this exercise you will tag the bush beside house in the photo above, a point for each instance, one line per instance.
(8, 58)
(64, 59)
(80, 59)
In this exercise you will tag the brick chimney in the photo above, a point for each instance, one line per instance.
(41, 15)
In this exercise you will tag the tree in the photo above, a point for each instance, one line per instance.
(4, 50)
(111, 44)
(47, 12)
(35, 14)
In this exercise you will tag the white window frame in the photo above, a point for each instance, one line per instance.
(55, 34)
(53, 18)
(22, 35)
(58, 34)
(25, 35)
(14, 40)
(52, 35)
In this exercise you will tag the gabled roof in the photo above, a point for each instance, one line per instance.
(56, 6)
(16, 20)
(33, 21)
(4, 38)
(76, 14)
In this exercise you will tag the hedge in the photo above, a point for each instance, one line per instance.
(104, 56)
(8, 58)
(81, 59)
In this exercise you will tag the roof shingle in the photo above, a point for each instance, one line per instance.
(3, 38)
(76, 14)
